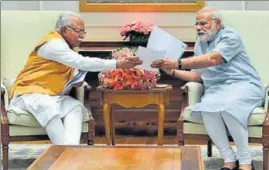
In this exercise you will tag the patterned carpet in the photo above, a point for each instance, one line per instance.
(21, 156)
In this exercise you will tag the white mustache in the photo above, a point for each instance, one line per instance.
(201, 32)
(80, 40)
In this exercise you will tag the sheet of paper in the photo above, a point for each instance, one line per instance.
(148, 56)
(76, 81)
(160, 40)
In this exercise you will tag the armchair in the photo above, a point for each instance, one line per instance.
(192, 128)
(21, 30)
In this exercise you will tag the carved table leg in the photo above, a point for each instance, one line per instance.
(113, 127)
(160, 124)
(106, 114)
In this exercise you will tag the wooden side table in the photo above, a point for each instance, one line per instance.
(133, 99)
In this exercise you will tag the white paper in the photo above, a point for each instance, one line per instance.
(148, 56)
(78, 78)
(160, 40)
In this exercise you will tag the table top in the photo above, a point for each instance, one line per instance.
(154, 90)
(119, 158)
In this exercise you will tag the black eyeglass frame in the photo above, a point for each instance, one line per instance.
(79, 31)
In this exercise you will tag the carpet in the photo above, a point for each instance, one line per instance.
(22, 155)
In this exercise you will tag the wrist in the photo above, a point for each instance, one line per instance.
(173, 73)
(118, 64)
(179, 64)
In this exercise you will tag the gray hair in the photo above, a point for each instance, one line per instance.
(216, 15)
(64, 19)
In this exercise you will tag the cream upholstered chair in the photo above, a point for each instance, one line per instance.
(253, 27)
(20, 31)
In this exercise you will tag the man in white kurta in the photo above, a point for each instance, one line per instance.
(60, 114)
(232, 87)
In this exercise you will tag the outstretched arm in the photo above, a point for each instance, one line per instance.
(184, 75)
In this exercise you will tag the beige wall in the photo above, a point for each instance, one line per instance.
(104, 26)
(107, 26)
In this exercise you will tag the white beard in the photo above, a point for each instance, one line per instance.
(208, 35)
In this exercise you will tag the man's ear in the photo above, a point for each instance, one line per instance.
(63, 31)
(219, 23)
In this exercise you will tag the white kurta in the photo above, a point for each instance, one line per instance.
(232, 86)
(45, 107)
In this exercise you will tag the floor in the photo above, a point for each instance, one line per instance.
(22, 154)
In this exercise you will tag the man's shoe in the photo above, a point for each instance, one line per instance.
(225, 168)
(236, 166)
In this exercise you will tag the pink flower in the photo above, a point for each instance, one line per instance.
(140, 27)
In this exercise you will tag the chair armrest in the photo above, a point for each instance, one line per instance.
(87, 91)
(191, 93)
(80, 92)
(2, 91)
(194, 91)
(266, 101)
(4, 120)
(83, 95)
(266, 107)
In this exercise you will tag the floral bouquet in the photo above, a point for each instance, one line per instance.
(137, 29)
(127, 79)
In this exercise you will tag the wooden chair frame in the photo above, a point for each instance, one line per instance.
(6, 138)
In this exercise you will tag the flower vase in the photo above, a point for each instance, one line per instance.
(141, 40)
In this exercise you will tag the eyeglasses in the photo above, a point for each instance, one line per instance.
(79, 31)
(202, 24)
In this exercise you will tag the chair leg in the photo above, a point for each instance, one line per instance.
(265, 158)
(5, 156)
(91, 133)
(209, 148)
(180, 135)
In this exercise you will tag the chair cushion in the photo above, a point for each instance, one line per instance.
(17, 130)
(20, 117)
(194, 128)
(256, 117)
(17, 116)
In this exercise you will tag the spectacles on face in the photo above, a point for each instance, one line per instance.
(79, 31)
(202, 24)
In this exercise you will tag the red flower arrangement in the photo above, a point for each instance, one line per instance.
(127, 79)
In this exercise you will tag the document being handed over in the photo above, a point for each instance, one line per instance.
(148, 56)
(161, 40)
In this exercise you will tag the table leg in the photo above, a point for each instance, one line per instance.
(160, 124)
(112, 127)
(106, 115)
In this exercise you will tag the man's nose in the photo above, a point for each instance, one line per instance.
(198, 27)
(82, 36)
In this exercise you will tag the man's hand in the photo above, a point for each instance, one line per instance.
(165, 64)
(128, 62)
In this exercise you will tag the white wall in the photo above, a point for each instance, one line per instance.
(257, 5)
(225, 5)
(73, 5)
(103, 26)
(20, 5)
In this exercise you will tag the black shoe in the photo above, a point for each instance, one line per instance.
(236, 166)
